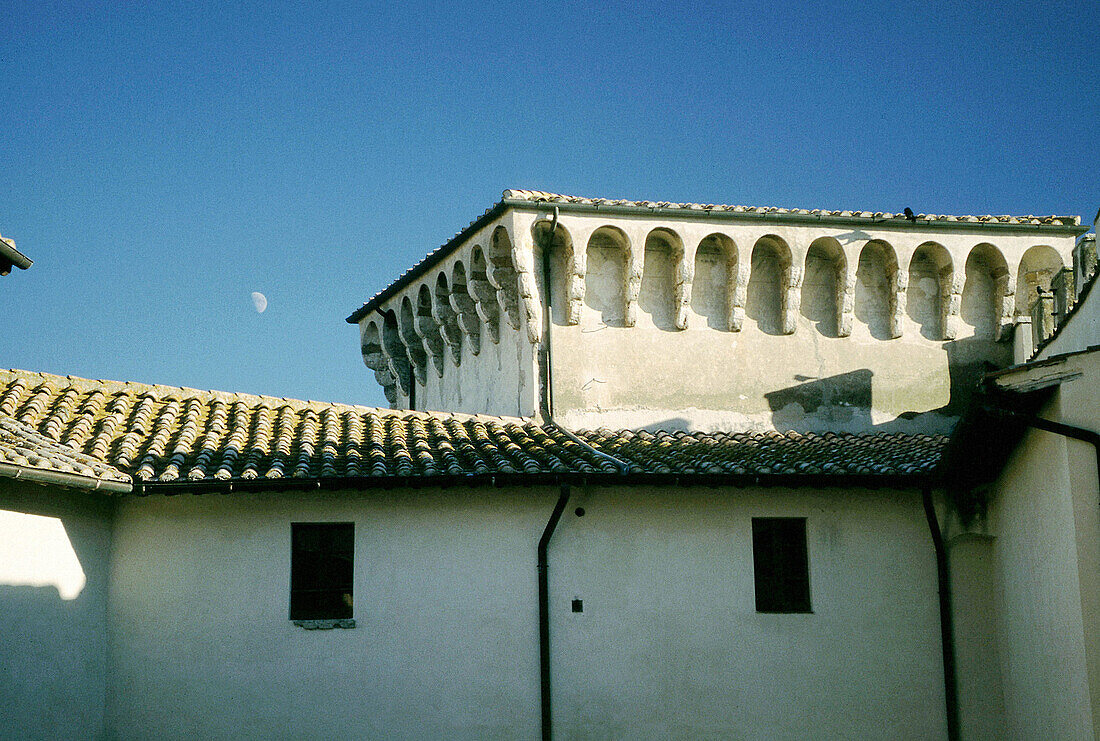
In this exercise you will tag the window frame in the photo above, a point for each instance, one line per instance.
(301, 581)
(781, 580)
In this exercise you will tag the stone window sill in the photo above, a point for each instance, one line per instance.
(324, 624)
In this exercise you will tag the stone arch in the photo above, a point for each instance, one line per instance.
(1037, 269)
(768, 299)
(395, 351)
(826, 298)
(484, 294)
(566, 273)
(503, 274)
(374, 357)
(447, 318)
(661, 293)
(406, 325)
(876, 290)
(987, 299)
(606, 277)
(932, 298)
(465, 307)
(717, 289)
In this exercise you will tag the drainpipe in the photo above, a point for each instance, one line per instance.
(947, 625)
(544, 611)
(546, 410)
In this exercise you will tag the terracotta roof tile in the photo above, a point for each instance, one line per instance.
(167, 434)
(25, 450)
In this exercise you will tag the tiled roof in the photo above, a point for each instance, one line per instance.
(763, 453)
(164, 434)
(539, 196)
(513, 197)
(26, 453)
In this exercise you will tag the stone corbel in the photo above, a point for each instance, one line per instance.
(845, 300)
(685, 270)
(1006, 321)
(414, 344)
(738, 289)
(486, 303)
(952, 301)
(792, 299)
(633, 287)
(447, 319)
(505, 279)
(397, 357)
(468, 321)
(899, 284)
(429, 331)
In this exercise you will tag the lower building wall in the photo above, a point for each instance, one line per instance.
(1039, 616)
(55, 546)
(668, 643)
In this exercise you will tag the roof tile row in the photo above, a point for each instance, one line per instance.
(168, 434)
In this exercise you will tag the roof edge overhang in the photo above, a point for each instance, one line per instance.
(9, 254)
(740, 481)
(891, 222)
(71, 480)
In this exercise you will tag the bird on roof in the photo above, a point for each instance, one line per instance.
(909, 214)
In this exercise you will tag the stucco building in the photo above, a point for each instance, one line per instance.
(653, 470)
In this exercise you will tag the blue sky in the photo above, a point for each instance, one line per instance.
(162, 161)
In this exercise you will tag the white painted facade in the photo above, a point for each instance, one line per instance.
(662, 320)
(55, 550)
(446, 643)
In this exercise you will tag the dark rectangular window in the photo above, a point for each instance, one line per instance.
(321, 564)
(781, 564)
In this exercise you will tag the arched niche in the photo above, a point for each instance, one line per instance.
(985, 290)
(1037, 269)
(396, 352)
(823, 287)
(766, 298)
(876, 289)
(428, 328)
(566, 278)
(406, 324)
(447, 318)
(714, 285)
(484, 294)
(662, 279)
(374, 357)
(607, 265)
(503, 275)
(465, 307)
(928, 296)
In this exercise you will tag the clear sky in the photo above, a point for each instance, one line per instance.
(160, 162)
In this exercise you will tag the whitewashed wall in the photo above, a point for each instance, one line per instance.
(55, 546)
(446, 646)
(1043, 523)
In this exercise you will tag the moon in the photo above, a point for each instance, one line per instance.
(259, 301)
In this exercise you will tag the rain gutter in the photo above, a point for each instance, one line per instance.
(39, 476)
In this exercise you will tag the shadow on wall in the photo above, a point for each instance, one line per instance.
(55, 546)
(843, 400)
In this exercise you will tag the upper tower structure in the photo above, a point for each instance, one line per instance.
(697, 316)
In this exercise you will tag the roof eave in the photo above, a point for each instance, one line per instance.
(426, 264)
(524, 204)
(498, 480)
(59, 478)
(8, 253)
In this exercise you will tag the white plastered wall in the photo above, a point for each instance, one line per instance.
(55, 546)
(669, 642)
(1038, 581)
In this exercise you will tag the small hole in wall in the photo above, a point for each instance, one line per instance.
(580, 511)
(578, 605)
